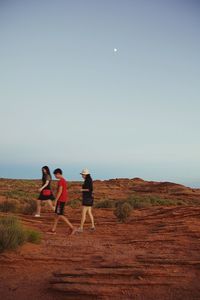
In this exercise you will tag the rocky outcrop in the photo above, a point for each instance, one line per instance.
(122, 188)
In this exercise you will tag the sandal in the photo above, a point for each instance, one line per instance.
(51, 231)
(92, 229)
(74, 230)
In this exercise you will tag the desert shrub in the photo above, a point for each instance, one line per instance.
(29, 208)
(105, 204)
(147, 201)
(12, 234)
(139, 202)
(74, 203)
(123, 211)
(9, 206)
(155, 200)
(159, 201)
(181, 202)
(29, 196)
(32, 236)
(16, 194)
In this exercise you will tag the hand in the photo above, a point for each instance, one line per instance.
(39, 190)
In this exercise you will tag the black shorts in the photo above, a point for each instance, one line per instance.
(60, 208)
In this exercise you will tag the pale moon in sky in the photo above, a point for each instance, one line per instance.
(115, 49)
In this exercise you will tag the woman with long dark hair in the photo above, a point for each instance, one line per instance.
(45, 191)
(87, 199)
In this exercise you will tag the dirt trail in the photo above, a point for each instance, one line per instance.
(155, 255)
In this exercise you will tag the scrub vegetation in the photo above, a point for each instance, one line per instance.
(13, 234)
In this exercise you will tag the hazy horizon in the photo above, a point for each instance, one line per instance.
(108, 85)
(72, 173)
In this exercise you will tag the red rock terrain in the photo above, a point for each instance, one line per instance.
(118, 189)
(156, 254)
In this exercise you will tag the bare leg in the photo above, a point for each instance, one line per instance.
(55, 223)
(61, 217)
(66, 221)
(51, 204)
(83, 218)
(91, 216)
(38, 207)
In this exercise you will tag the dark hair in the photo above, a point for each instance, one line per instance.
(57, 171)
(88, 177)
(45, 174)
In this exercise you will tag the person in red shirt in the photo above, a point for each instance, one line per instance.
(61, 198)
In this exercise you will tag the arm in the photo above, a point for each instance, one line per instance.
(58, 194)
(85, 190)
(87, 187)
(46, 184)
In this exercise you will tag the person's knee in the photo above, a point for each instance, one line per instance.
(84, 211)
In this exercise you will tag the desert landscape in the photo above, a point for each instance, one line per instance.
(153, 253)
(104, 94)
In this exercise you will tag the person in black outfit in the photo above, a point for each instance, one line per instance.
(87, 199)
(45, 191)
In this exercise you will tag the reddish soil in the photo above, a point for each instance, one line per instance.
(155, 255)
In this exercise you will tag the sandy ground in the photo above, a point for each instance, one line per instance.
(155, 255)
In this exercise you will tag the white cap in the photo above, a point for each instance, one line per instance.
(85, 172)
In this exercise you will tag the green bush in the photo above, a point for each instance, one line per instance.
(123, 211)
(147, 201)
(16, 194)
(105, 204)
(33, 236)
(28, 197)
(12, 234)
(9, 206)
(139, 202)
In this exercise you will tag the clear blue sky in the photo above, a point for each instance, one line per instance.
(68, 100)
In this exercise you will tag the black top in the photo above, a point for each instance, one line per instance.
(88, 184)
(47, 177)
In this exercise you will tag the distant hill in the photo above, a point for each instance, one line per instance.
(112, 189)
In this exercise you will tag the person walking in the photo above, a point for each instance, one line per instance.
(87, 199)
(45, 191)
(61, 198)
